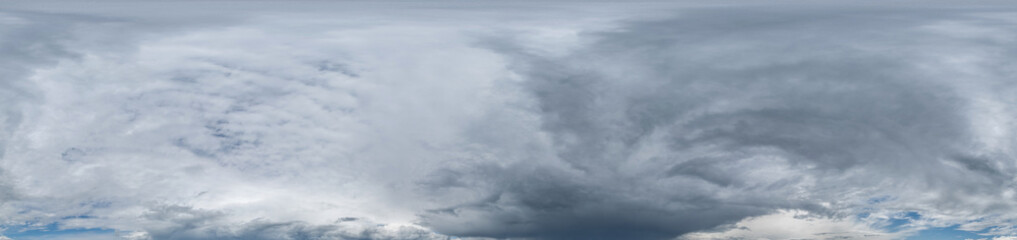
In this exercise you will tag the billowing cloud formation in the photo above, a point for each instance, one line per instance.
(678, 125)
(427, 121)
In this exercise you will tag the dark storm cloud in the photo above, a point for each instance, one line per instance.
(547, 203)
(826, 90)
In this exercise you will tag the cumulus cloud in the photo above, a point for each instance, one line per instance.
(323, 120)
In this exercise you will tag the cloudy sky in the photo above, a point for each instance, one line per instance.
(682, 120)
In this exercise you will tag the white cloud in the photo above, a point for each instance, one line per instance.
(797, 224)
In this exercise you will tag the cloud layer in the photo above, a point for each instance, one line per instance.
(426, 121)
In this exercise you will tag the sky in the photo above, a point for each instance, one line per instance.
(680, 120)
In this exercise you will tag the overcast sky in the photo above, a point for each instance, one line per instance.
(682, 120)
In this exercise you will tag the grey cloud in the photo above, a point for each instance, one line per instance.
(35, 42)
(548, 203)
(840, 95)
(978, 164)
(36, 45)
(260, 121)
